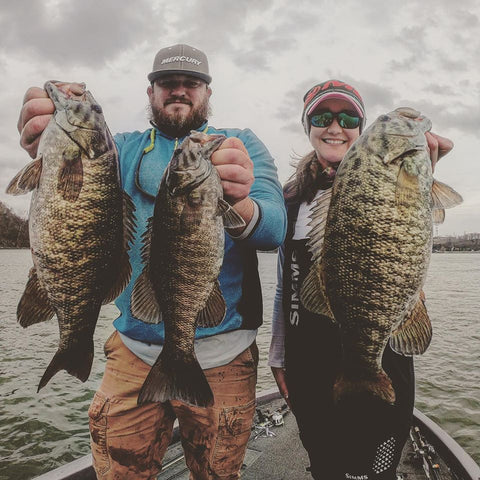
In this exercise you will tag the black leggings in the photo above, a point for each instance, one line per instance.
(361, 437)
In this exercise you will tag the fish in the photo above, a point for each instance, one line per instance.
(371, 239)
(182, 255)
(81, 223)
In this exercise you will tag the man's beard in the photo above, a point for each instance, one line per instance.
(176, 124)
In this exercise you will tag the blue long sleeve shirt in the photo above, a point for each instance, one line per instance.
(238, 277)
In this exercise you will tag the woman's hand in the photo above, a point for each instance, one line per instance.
(438, 146)
(280, 378)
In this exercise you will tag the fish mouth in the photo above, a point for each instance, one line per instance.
(59, 97)
(76, 129)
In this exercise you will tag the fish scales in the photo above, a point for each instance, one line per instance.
(371, 255)
(81, 235)
(192, 251)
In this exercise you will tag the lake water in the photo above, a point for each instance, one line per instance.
(41, 431)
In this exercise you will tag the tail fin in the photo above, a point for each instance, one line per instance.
(378, 385)
(76, 360)
(172, 378)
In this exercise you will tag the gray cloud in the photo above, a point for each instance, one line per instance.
(289, 111)
(228, 17)
(439, 89)
(251, 47)
(66, 32)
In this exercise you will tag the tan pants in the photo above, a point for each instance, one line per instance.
(129, 441)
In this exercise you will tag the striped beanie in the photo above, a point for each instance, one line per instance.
(331, 89)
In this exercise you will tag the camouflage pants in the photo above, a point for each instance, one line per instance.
(129, 441)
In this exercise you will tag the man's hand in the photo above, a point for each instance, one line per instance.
(236, 174)
(36, 112)
(438, 146)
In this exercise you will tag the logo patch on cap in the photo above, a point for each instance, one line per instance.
(181, 58)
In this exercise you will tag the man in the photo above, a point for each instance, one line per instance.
(129, 441)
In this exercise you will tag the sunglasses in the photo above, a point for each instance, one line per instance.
(346, 119)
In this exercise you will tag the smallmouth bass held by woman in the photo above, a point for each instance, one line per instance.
(371, 241)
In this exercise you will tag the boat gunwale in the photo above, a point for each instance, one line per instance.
(448, 449)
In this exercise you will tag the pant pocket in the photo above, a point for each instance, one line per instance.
(234, 430)
(98, 431)
(107, 347)
(253, 349)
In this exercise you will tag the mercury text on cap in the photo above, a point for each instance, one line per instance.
(181, 58)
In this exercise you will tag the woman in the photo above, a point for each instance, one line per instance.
(356, 439)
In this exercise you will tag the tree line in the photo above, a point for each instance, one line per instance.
(13, 229)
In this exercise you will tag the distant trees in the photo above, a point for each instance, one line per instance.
(464, 243)
(13, 229)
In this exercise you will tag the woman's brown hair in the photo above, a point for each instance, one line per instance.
(307, 179)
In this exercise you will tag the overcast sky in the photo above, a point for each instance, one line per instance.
(263, 55)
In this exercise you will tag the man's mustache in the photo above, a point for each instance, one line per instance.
(177, 100)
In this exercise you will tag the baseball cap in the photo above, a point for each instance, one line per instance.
(331, 89)
(182, 59)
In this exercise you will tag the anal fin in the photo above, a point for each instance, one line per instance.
(312, 294)
(144, 303)
(34, 306)
(414, 334)
(214, 311)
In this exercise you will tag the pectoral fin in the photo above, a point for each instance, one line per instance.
(413, 336)
(214, 311)
(70, 176)
(407, 187)
(27, 179)
(231, 219)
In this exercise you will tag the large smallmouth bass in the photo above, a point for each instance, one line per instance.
(183, 254)
(371, 241)
(80, 224)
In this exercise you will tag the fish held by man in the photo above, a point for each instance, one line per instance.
(371, 241)
(80, 226)
(183, 254)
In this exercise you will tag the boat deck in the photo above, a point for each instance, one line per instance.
(280, 456)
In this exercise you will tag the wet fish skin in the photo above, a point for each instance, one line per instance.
(183, 255)
(371, 251)
(78, 236)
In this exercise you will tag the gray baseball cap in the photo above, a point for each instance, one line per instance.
(181, 59)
